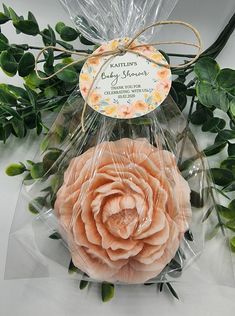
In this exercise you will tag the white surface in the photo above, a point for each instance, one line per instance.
(62, 297)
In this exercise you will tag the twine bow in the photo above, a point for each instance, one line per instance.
(121, 50)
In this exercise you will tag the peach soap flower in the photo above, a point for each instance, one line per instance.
(123, 209)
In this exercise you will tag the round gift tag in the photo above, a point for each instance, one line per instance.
(128, 85)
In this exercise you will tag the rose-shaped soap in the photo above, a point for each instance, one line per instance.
(123, 208)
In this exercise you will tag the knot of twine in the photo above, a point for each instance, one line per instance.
(121, 50)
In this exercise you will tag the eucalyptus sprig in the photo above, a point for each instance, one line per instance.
(22, 108)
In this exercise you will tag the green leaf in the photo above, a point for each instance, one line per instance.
(230, 187)
(37, 170)
(50, 92)
(18, 92)
(68, 75)
(191, 92)
(214, 149)
(208, 213)
(49, 38)
(68, 34)
(18, 127)
(221, 177)
(7, 98)
(226, 79)
(31, 17)
(107, 291)
(210, 96)
(26, 64)
(84, 40)
(231, 225)
(226, 134)
(32, 96)
(3, 43)
(39, 125)
(225, 212)
(228, 163)
(49, 56)
(196, 199)
(5, 9)
(8, 63)
(221, 192)
(36, 205)
(59, 26)
(232, 205)
(11, 112)
(232, 107)
(15, 169)
(232, 244)
(171, 289)
(167, 58)
(201, 115)
(13, 15)
(56, 182)
(188, 235)
(72, 268)
(65, 45)
(50, 158)
(45, 143)
(33, 81)
(186, 164)
(5, 131)
(83, 284)
(180, 89)
(16, 52)
(55, 236)
(206, 69)
(231, 149)
(27, 27)
(68, 60)
(213, 125)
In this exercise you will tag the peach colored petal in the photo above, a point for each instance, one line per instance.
(160, 237)
(125, 254)
(128, 274)
(123, 209)
(158, 222)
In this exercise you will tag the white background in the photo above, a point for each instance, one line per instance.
(62, 297)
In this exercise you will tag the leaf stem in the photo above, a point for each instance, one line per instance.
(181, 55)
(186, 131)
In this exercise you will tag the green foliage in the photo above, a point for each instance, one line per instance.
(107, 291)
(37, 205)
(27, 27)
(213, 125)
(232, 244)
(37, 170)
(214, 148)
(21, 109)
(68, 34)
(15, 169)
(59, 27)
(221, 177)
(215, 87)
(8, 63)
(67, 75)
(26, 64)
(83, 284)
(72, 268)
(55, 236)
